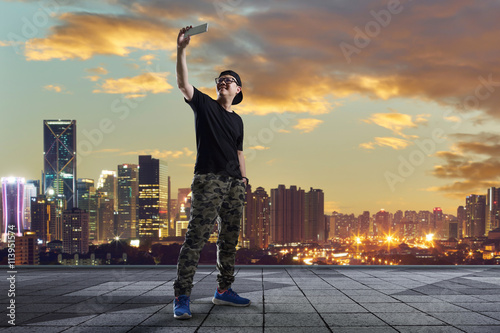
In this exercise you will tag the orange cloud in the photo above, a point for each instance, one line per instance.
(258, 148)
(307, 125)
(147, 58)
(56, 88)
(397, 122)
(146, 82)
(391, 142)
(97, 70)
(82, 36)
(473, 162)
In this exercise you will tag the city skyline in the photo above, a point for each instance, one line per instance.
(387, 106)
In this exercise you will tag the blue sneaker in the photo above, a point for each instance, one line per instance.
(229, 297)
(181, 307)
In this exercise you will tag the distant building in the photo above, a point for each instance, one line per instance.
(382, 224)
(153, 196)
(12, 206)
(87, 200)
(461, 218)
(75, 231)
(59, 154)
(128, 192)
(287, 215)
(492, 209)
(27, 249)
(31, 190)
(314, 216)
(475, 206)
(107, 185)
(41, 218)
(258, 216)
(364, 224)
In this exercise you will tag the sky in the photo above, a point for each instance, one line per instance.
(381, 104)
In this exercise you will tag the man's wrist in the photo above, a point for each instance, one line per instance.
(245, 179)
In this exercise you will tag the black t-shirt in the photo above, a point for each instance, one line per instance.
(219, 136)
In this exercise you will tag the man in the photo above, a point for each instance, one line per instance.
(219, 183)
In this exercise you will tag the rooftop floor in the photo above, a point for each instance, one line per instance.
(284, 299)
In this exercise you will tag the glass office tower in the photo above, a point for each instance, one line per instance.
(59, 150)
(13, 206)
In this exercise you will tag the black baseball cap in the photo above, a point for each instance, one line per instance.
(239, 97)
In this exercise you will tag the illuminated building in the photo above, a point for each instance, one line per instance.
(27, 249)
(75, 231)
(314, 216)
(182, 222)
(438, 222)
(364, 224)
(128, 190)
(344, 225)
(107, 185)
(153, 196)
(87, 200)
(492, 209)
(31, 190)
(107, 204)
(424, 223)
(382, 224)
(105, 217)
(59, 157)
(475, 207)
(461, 217)
(182, 199)
(57, 207)
(12, 205)
(40, 218)
(287, 215)
(256, 226)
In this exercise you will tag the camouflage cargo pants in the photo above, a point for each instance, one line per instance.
(212, 195)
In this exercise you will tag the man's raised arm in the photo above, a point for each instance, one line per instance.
(182, 72)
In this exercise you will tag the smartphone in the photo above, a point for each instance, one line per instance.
(196, 30)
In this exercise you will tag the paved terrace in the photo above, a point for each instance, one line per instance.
(284, 299)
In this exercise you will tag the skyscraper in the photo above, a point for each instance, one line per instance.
(108, 185)
(438, 222)
(40, 218)
(128, 190)
(364, 224)
(314, 216)
(30, 190)
(75, 231)
(12, 205)
(87, 200)
(382, 224)
(59, 143)
(475, 208)
(153, 196)
(461, 217)
(258, 218)
(493, 209)
(287, 215)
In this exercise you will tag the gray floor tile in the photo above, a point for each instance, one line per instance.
(352, 319)
(409, 319)
(480, 329)
(339, 308)
(293, 319)
(223, 320)
(388, 307)
(427, 329)
(467, 318)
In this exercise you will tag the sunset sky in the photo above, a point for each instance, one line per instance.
(382, 104)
